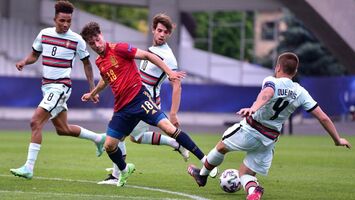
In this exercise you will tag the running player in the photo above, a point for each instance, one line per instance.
(133, 102)
(58, 46)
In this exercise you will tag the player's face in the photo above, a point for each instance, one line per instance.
(62, 22)
(160, 35)
(97, 43)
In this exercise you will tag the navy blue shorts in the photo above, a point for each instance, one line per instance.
(142, 107)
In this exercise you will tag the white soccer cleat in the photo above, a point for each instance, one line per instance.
(214, 172)
(110, 180)
(183, 152)
(23, 172)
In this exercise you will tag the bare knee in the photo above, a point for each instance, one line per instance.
(110, 147)
(221, 148)
(62, 131)
(35, 125)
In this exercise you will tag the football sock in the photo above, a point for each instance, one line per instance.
(248, 182)
(33, 150)
(214, 158)
(116, 172)
(155, 138)
(87, 134)
(183, 139)
(117, 158)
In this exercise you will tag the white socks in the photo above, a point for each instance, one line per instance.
(147, 138)
(245, 179)
(87, 134)
(214, 158)
(116, 172)
(33, 150)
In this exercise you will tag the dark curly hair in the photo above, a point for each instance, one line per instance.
(91, 29)
(63, 7)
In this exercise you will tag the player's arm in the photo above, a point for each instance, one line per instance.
(88, 72)
(29, 59)
(93, 95)
(175, 101)
(145, 55)
(328, 125)
(263, 97)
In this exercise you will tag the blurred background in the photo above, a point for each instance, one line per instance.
(227, 47)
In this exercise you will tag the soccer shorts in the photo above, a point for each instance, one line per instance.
(55, 98)
(140, 108)
(242, 137)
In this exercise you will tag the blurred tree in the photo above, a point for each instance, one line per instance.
(315, 59)
(134, 17)
(226, 32)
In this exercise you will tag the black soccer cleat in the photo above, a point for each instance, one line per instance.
(195, 173)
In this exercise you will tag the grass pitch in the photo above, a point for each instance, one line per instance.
(304, 167)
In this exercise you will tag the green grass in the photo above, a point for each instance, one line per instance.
(304, 167)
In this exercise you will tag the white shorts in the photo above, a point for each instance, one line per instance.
(242, 137)
(55, 98)
(139, 130)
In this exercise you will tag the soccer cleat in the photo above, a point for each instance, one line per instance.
(214, 172)
(195, 173)
(23, 172)
(257, 194)
(110, 180)
(184, 152)
(100, 145)
(124, 175)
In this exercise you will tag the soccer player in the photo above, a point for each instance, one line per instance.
(133, 102)
(258, 132)
(153, 77)
(58, 46)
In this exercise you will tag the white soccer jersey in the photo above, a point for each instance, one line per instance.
(152, 75)
(287, 98)
(58, 53)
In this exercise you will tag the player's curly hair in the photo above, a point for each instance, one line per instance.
(288, 62)
(165, 20)
(63, 6)
(89, 30)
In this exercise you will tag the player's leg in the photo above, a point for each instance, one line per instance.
(112, 178)
(38, 120)
(142, 135)
(255, 162)
(64, 129)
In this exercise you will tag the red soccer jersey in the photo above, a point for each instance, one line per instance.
(118, 67)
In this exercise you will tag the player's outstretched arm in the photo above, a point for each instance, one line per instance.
(328, 125)
(89, 73)
(141, 54)
(93, 95)
(29, 59)
(263, 97)
(175, 102)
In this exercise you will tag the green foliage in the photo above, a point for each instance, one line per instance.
(315, 60)
(226, 33)
(304, 168)
(134, 17)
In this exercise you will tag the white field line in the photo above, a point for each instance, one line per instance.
(78, 195)
(195, 197)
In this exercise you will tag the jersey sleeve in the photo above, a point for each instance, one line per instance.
(307, 102)
(268, 82)
(81, 49)
(37, 43)
(125, 50)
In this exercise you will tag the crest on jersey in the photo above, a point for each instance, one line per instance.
(67, 43)
(114, 61)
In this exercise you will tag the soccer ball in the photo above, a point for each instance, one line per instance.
(229, 181)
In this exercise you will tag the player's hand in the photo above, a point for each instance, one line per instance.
(246, 112)
(177, 75)
(88, 97)
(20, 65)
(343, 142)
(174, 120)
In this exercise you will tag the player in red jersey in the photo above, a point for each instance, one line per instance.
(132, 100)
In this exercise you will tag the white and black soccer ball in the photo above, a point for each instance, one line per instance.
(229, 181)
